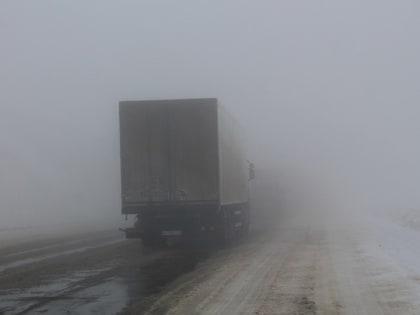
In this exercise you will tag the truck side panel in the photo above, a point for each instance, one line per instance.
(233, 165)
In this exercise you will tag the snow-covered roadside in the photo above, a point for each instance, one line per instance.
(399, 241)
(389, 254)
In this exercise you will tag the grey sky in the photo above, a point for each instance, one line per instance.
(328, 86)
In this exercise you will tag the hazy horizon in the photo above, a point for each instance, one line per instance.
(324, 89)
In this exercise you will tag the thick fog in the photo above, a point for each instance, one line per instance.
(327, 91)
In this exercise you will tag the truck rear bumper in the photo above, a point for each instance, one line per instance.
(181, 222)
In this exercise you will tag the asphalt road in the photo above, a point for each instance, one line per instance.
(309, 264)
(88, 273)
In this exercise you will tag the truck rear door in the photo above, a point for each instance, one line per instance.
(144, 132)
(194, 151)
(169, 151)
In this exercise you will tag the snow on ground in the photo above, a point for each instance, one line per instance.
(388, 246)
(398, 236)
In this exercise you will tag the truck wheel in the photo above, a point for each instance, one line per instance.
(147, 242)
(228, 235)
(152, 242)
(247, 222)
(245, 230)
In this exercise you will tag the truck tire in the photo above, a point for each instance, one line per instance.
(153, 242)
(227, 229)
(247, 221)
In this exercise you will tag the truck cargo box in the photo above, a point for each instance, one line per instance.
(180, 156)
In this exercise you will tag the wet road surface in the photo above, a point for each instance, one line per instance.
(95, 273)
(311, 264)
